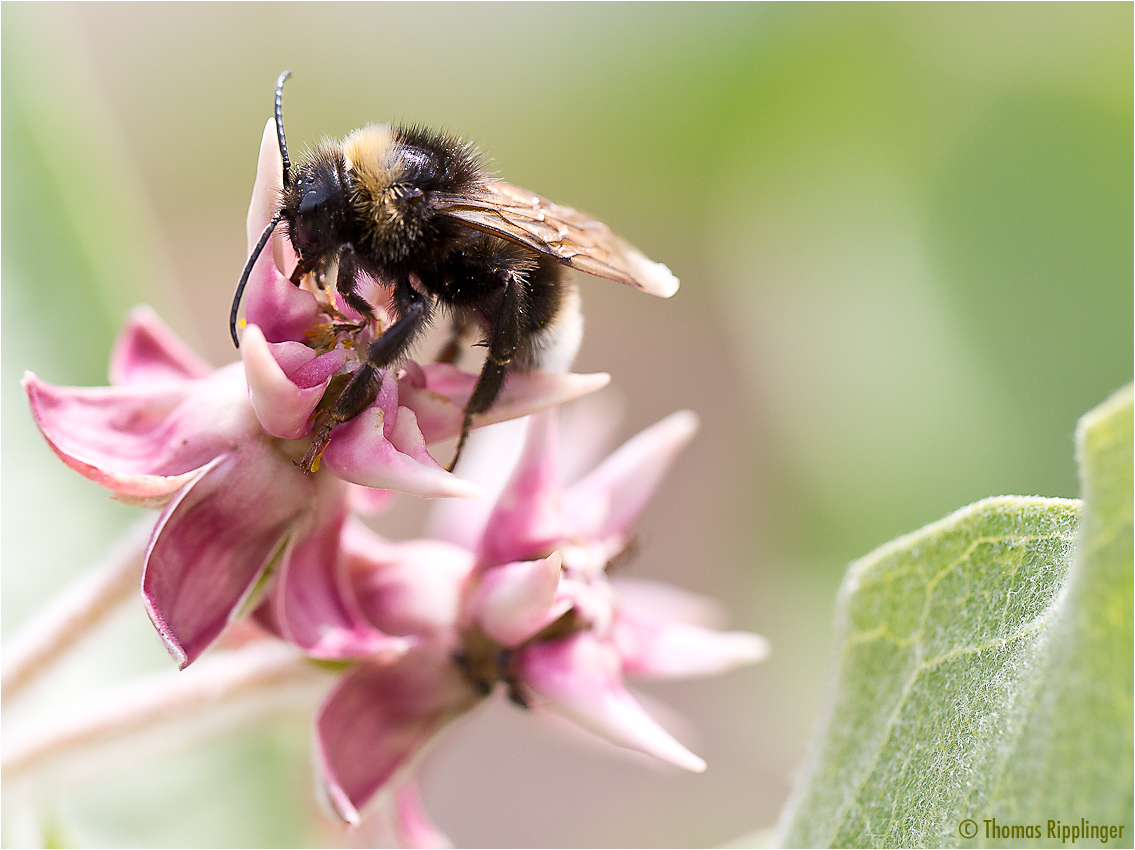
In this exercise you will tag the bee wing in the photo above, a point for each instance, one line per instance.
(569, 236)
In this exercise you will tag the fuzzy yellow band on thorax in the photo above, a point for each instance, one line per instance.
(373, 160)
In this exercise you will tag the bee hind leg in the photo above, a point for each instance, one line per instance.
(503, 341)
(485, 392)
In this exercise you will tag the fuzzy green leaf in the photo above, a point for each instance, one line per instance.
(1074, 760)
(980, 674)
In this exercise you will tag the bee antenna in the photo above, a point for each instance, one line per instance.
(248, 268)
(280, 125)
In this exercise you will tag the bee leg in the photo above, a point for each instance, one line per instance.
(485, 392)
(363, 387)
(503, 341)
(347, 281)
(452, 349)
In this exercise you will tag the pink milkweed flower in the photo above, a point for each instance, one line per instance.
(529, 607)
(215, 450)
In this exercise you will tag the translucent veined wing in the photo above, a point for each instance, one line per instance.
(569, 236)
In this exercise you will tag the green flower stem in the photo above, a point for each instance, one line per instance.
(72, 614)
(219, 691)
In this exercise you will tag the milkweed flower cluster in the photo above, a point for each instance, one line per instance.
(216, 449)
(517, 597)
(528, 606)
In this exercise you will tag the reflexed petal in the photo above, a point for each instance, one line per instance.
(414, 826)
(410, 588)
(515, 601)
(588, 429)
(377, 718)
(269, 183)
(440, 403)
(612, 496)
(315, 604)
(655, 600)
(488, 459)
(579, 678)
(290, 355)
(406, 437)
(283, 312)
(528, 519)
(148, 352)
(282, 407)
(397, 818)
(368, 501)
(657, 649)
(358, 452)
(142, 441)
(314, 372)
(213, 541)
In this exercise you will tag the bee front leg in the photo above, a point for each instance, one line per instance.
(347, 282)
(364, 385)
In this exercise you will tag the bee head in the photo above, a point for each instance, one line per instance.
(316, 205)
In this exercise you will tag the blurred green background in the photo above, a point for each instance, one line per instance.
(904, 234)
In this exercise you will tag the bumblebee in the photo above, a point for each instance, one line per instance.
(413, 210)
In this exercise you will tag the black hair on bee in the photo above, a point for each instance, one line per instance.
(413, 210)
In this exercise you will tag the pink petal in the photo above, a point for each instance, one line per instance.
(645, 599)
(214, 540)
(515, 601)
(612, 496)
(282, 407)
(268, 186)
(414, 826)
(407, 438)
(588, 429)
(318, 370)
(440, 404)
(397, 818)
(377, 718)
(315, 604)
(291, 356)
(579, 678)
(143, 441)
(411, 588)
(283, 311)
(658, 649)
(368, 501)
(527, 520)
(360, 453)
(488, 460)
(148, 352)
